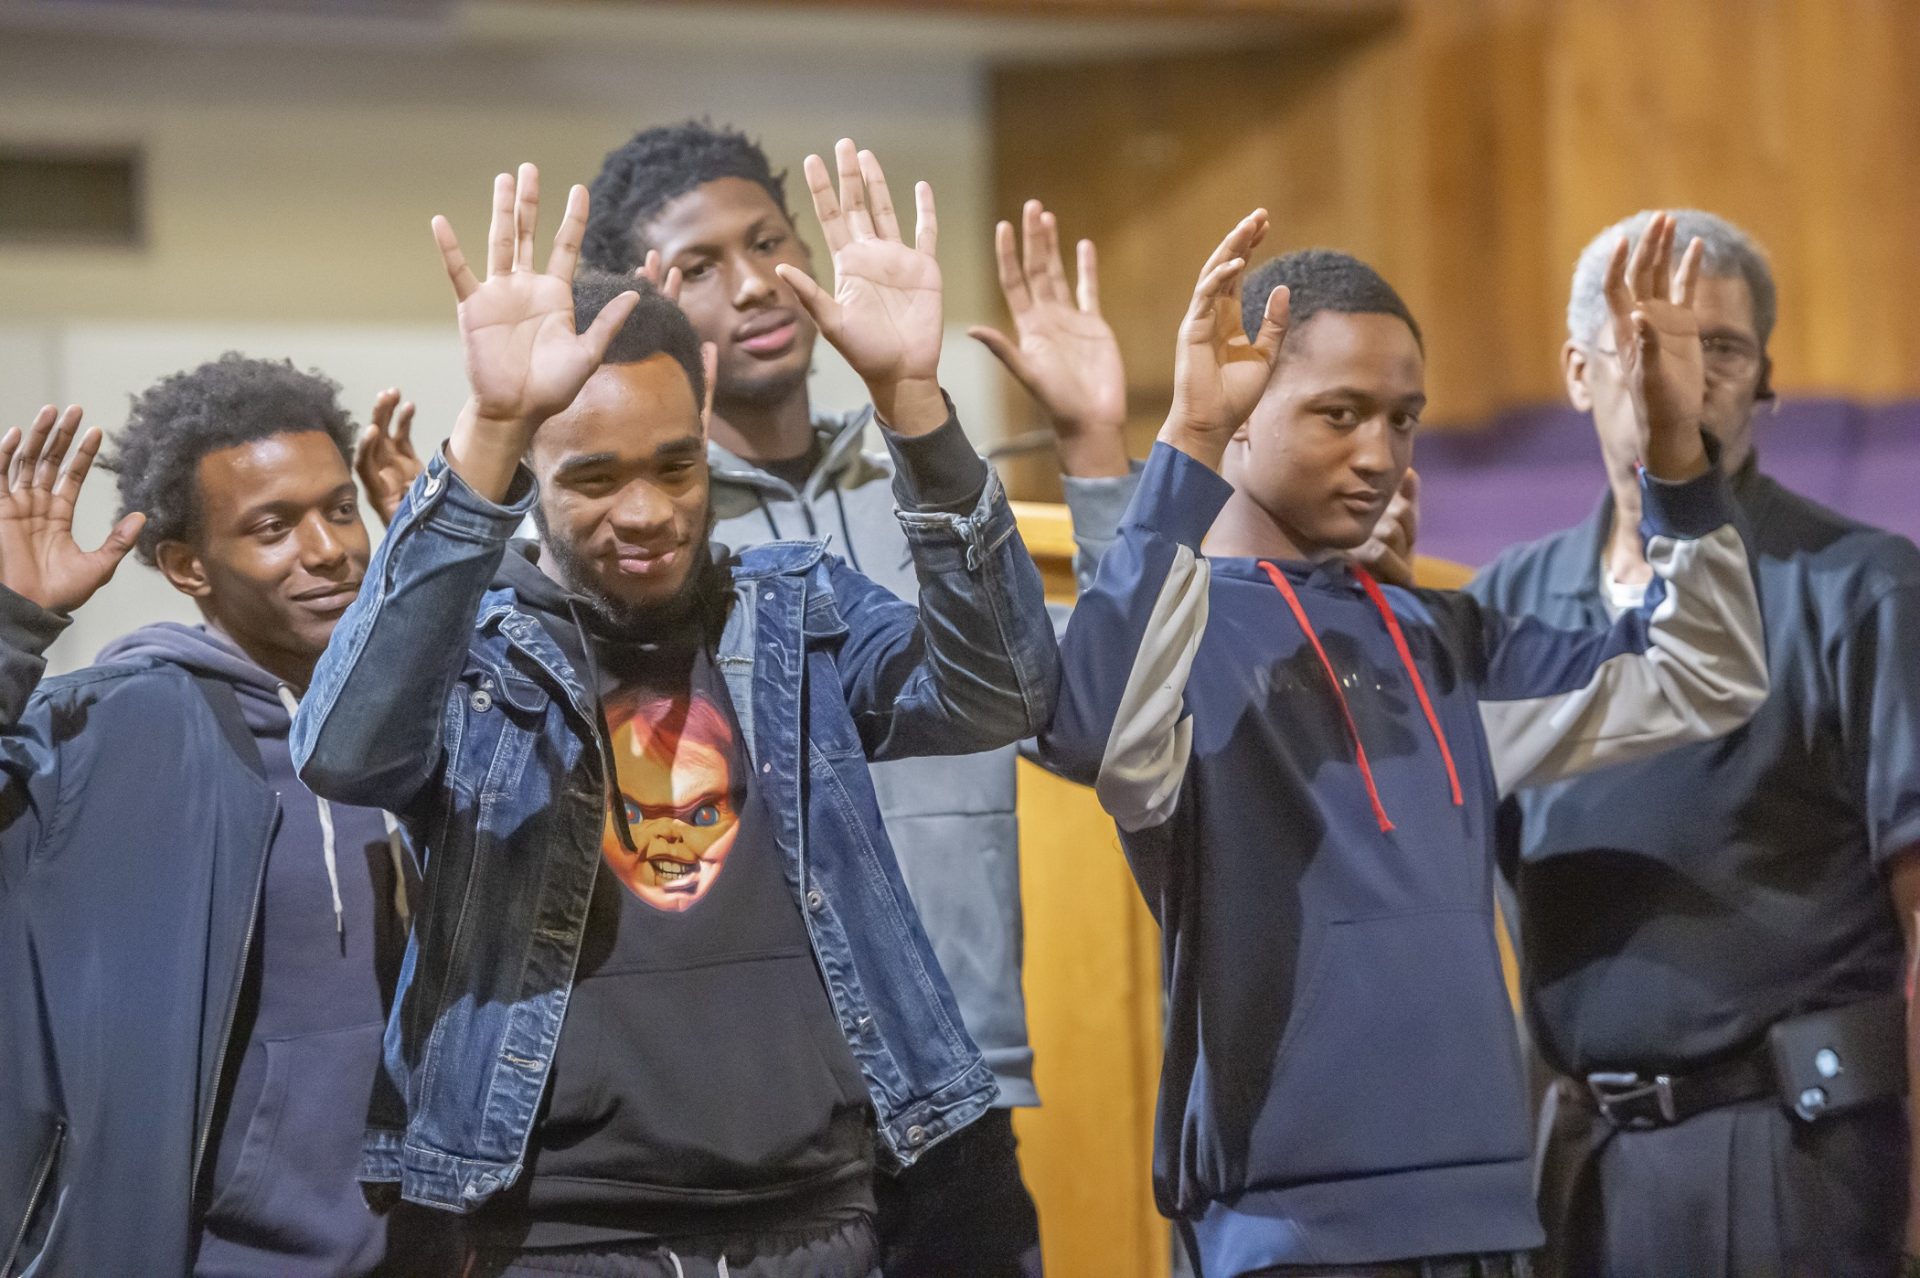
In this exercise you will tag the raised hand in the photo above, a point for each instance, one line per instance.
(1658, 339)
(385, 460)
(39, 560)
(1388, 554)
(524, 360)
(884, 314)
(1067, 357)
(666, 281)
(1218, 375)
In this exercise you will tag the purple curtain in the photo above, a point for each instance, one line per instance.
(1535, 471)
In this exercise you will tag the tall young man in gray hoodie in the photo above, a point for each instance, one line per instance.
(707, 201)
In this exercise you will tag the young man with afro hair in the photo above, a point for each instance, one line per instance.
(707, 204)
(196, 952)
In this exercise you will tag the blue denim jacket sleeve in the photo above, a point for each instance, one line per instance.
(369, 729)
(975, 666)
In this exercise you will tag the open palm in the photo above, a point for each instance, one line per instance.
(884, 314)
(886, 317)
(39, 559)
(1066, 355)
(524, 360)
(1655, 330)
(1219, 374)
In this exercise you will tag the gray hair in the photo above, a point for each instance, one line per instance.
(1729, 253)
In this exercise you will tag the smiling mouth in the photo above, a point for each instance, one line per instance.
(336, 595)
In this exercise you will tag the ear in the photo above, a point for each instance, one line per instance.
(1573, 369)
(1764, 390)
(710, 362)
(180, 565)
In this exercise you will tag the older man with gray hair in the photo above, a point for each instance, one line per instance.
(1717, 942)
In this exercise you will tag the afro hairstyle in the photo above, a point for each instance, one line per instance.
(222, 404)
(659, 165)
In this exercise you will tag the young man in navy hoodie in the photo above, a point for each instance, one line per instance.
(196, 953)
(1305, 765)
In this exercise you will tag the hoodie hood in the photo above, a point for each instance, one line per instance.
(267, 705)
(839, 438)
(200, 651)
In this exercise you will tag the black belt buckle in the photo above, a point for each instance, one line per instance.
(1633, 1100)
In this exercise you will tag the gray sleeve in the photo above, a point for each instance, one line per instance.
(1096, 507)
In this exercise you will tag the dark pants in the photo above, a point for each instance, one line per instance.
(1489, 1266)
(962, 1211)
(1743, 1191)
(844, 1250)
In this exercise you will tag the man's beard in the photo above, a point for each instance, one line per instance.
(622, 619)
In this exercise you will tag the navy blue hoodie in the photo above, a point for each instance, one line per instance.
(1305, 767)
(305, 1048)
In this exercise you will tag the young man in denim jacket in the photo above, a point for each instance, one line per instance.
(603, 1037)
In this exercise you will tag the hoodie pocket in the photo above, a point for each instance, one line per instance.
(1403, 1054)
(294, 1181)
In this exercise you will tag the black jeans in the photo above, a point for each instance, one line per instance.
(1490, 1266)
(843, 1250)
(962, 1211)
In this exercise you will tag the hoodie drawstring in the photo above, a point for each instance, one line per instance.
(846, 533)
(766, 513)
(1379, 597)
(616, 806)
(329, 854)
(1285, 588)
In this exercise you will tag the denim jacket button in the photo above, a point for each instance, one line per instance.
(816, 900)
(481, 701)
(916, 1136)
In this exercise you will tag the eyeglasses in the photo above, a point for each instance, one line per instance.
(1721, 352)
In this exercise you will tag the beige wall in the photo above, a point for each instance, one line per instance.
(290, 181)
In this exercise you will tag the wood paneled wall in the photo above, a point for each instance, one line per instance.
(1470, 148)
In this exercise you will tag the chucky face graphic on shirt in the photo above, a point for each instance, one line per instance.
(674, 760)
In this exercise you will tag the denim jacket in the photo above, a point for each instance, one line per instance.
(442, 700)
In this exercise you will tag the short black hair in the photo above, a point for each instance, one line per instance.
(657, 165)
(222, 404)
(656, 327)
(1321, 280)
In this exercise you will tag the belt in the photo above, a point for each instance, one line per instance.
(1643, 1100)
(1491, 1265)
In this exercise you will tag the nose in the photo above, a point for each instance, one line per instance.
(321, 549)
(753, 285)
(1373, 449)
(642, 514)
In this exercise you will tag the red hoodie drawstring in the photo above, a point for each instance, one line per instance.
(1285, 588)
(1379, 597)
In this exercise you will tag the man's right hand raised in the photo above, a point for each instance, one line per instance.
(1218, 375)
(1066, 355)
(39, 559)
(524, 360)
(1650, 306)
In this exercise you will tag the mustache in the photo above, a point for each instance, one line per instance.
(620, 619)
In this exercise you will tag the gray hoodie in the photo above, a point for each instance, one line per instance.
(951, 820)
